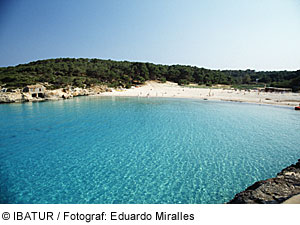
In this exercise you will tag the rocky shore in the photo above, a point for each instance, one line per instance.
(284, 188)
(57, 94)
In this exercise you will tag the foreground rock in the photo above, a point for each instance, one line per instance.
(275, 190)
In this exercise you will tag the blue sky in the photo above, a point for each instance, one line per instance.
(232, 34)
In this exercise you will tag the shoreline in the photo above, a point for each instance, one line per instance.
(208, 100)
(154, 89)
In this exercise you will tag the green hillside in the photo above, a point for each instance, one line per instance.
(79, 72)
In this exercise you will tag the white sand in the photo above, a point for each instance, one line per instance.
(168, 89)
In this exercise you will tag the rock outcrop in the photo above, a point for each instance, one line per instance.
(275, 190)
(62, 93)
(8, 97)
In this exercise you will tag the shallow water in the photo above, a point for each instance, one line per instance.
(139, 150)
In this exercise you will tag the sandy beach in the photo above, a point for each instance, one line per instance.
(169, 90)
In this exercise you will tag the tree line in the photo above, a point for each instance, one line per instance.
(82, 72)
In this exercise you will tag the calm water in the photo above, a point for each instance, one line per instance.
(130, 150)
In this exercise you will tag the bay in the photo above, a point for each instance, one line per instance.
(141, 150)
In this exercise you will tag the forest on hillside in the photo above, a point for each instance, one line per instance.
(81, 72)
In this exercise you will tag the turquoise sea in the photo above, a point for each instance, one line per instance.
(141, 150)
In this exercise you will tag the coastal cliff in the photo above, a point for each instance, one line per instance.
(274, 190)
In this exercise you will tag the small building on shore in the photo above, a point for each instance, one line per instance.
(36, 91)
